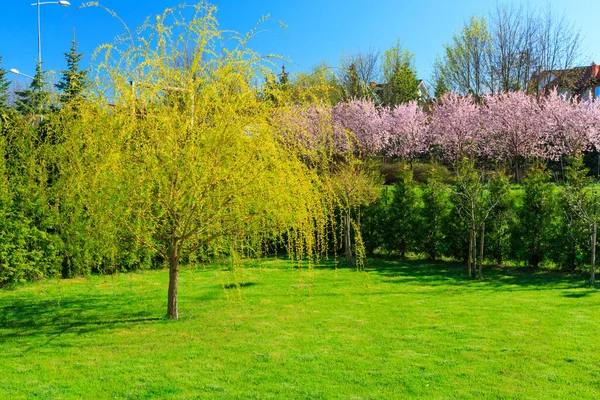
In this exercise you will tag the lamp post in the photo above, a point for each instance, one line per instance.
(17, 72)
(38, 4)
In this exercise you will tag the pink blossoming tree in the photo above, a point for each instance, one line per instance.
(456, 126)
(362, 118)
(567, 126)
(407, 127)
(513, 128)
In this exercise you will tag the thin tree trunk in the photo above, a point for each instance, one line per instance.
(172, 310)
(474, 255)
(593, 271)
(469, 256)
(348, 240)
(499, 259)
(481, 242)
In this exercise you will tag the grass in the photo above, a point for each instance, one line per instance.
(400, 330)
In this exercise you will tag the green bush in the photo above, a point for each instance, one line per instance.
(501, 219)
(532, 237)
(436, 208)
(389, 172)
(403, 215)
(374, 220)
(422, 173)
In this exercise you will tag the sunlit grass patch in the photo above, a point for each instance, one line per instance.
(398, 330)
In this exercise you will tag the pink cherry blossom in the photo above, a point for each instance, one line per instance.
(407, 127)
(513, 126)
(456, 126)
(567, 126)
(362, 119)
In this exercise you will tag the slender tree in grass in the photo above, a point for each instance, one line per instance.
(355, 182)
(501, 216)
(584, 205)
(209, 170)
(474, 207)
(355, 185)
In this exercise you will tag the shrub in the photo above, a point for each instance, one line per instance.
(403, 217)
(374, 224)
(422, 173)
(501, 218)
(537, 219)
(389, 172)
(433, 216)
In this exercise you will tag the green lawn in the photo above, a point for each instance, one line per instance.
(401, 330)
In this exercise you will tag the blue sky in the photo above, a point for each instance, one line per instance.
(316, 30)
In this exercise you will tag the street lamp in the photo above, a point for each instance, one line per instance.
(38, 4)
(17, 72)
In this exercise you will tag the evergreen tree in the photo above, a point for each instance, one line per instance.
(74, 80)
(401, 78)
(374, 223)
(4, 85)
(433, 215)
(403, 213)
(284, 76)
(440, 86)
(537, 218)
(402, 87)
(351, 83)
(35, 98)
(581, 207)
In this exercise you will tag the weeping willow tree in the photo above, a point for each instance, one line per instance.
(179, 147)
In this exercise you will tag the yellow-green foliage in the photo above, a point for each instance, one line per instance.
(186, 157)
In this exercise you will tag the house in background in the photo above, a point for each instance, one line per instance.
(422, 90)
(579, 81)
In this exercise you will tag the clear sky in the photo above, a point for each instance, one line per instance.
(317, 30)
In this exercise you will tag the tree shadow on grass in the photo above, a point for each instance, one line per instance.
(577, 295)
(78, 314)
(453, 273)
(239, 285)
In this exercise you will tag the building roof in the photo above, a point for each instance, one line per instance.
(575, 80)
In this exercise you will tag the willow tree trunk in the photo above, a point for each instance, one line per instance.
(481, 242)
(593, 270)
(348, 239)
(172, 310)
